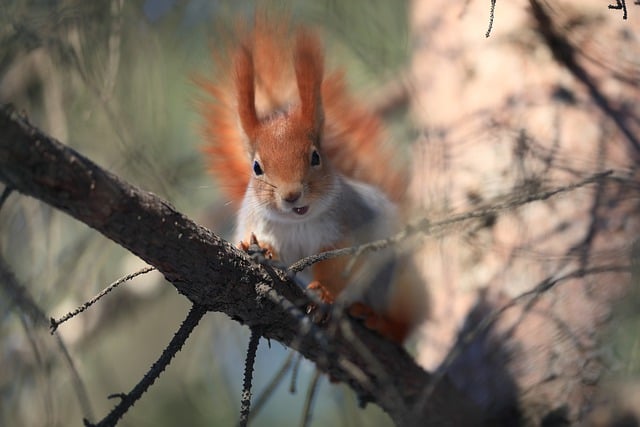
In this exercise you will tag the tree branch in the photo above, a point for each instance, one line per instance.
(127, 400)
(213, 274)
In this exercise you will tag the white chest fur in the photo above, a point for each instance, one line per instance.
(358, 212)
(293, 240)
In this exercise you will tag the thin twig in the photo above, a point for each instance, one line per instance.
(272, 385)
(245, 403)
(294, 374)
(492, 12)
(54, 323)
(127, 400)
(426, 227)
(308, 402)
(620, 4)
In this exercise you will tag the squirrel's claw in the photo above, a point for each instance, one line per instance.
(320, 312)
(256, 250)
(322, 292)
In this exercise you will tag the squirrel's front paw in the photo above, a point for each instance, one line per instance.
(322, 292)
(320, 312)
(258, 251)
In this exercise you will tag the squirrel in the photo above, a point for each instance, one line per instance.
(306, 167)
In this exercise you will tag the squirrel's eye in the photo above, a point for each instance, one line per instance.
(257, 169)
(315, 158)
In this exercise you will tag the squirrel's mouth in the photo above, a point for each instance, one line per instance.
(301, 210)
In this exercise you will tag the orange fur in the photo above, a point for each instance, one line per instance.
(395, 323)
(405, 304)
(327, 275)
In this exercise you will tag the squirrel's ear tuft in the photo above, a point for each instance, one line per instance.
(308, 59)
(245, 89)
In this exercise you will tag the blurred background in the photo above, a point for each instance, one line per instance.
(112, 79)
(550, 98)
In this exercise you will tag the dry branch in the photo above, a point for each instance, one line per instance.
(213, 274)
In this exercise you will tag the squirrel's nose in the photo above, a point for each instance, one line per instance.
(292, 196)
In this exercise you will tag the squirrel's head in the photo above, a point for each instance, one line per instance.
(291, 177)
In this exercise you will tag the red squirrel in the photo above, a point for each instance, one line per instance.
(305, 164)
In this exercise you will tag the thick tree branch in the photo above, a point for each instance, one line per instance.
(212, 273)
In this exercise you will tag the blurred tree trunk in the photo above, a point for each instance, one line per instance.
(551, 95)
